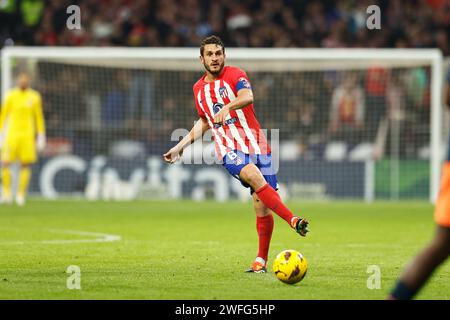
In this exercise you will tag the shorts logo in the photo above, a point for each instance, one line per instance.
(223, 92)
(232, 155)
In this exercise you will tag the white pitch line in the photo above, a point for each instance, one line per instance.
(100, 237)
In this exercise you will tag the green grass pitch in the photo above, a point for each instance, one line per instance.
(199, 250)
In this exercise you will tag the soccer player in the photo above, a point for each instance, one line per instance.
(22, 130)
(224, 102)
(423, 265)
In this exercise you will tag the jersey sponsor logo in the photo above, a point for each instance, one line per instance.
(223, 92)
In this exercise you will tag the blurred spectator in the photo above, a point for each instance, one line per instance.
(347, 109)
(395, 96)
(9, 18)
(46, 35)
(401, 121)
(69, 102)
(31, 12)
(307, 120)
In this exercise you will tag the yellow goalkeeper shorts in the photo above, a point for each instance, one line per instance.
(22, 149)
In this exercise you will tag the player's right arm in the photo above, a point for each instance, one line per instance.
(197, 131)
(448, 95)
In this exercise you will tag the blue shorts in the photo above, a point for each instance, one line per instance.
(235, 160)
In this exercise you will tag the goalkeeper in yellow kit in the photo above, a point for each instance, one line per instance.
(22, 134)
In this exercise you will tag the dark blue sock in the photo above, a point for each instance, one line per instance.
(402, 292)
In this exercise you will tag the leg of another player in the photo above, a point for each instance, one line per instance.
(251, 175)
(423, 265)
(264, 228)
(6, 183)
(24, 180)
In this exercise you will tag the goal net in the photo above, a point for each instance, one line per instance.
(342, 123)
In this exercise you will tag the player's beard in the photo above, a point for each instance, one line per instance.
(215, 73)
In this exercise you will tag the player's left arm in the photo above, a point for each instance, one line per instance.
(40, 123)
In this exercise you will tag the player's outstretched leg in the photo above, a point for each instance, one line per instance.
(251, 175)
(264, 228)
(6, 196)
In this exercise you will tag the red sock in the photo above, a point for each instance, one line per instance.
(272, 200)
(264, 227)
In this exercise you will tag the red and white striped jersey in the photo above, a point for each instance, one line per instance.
(241, 129)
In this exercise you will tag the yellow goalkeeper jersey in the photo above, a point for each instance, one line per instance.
(21, 114)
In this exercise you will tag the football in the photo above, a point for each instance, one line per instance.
(290, 266)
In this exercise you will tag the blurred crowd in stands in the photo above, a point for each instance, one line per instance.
(241, 23)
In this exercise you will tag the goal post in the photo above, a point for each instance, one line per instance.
(297, 83)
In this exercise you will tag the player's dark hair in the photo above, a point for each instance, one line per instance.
(211, 40)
